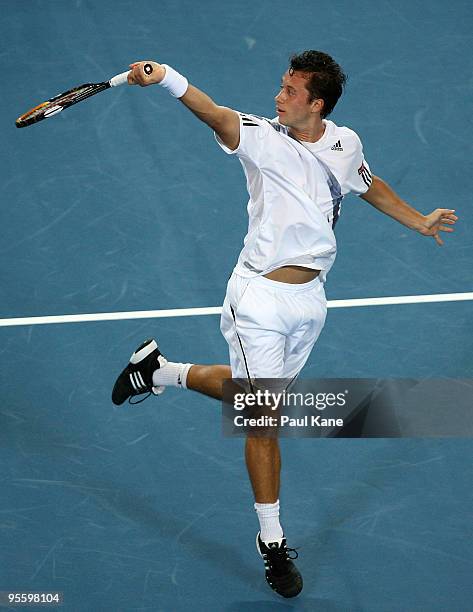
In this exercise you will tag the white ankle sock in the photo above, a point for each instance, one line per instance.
(172, 375)
(268, 515)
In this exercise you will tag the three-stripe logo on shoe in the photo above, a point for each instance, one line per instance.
(137, 381)
(337, 146)
(365, 175)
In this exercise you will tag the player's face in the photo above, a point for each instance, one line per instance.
(292, 101)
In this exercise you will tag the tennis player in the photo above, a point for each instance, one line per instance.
(298, 167)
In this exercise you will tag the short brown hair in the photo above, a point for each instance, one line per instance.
(327, 79)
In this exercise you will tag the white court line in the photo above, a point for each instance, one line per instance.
(216, 310)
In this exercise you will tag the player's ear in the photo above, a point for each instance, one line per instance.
(317, 105)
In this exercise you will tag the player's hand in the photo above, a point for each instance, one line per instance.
(437, 221)
(138, 75)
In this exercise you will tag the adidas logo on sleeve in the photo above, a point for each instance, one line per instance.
(248, 120)
(337, 146)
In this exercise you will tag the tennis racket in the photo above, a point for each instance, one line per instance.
(73, 96)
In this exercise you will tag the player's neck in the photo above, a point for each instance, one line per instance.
(311, 133)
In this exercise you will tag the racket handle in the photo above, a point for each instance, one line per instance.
(119, 79)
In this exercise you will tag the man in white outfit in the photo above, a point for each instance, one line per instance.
(298, 167)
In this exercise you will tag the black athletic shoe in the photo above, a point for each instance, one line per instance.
(281, 573)
(137, 377)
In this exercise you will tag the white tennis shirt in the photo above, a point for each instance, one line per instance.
(295, 190)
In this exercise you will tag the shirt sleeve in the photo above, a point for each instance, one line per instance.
(253, 132)
(358, 177)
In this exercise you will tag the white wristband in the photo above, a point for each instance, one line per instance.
(174, 82)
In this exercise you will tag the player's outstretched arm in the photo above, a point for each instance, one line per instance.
(381, 196)
(224, 121)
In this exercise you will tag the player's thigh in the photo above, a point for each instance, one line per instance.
(235, 352)
(300, 343)
(263, 350)
(251, 325)
(256, 351)
(236, 288)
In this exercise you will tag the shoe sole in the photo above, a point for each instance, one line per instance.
(257, 544)
(144, 352)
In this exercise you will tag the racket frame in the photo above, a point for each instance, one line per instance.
(56, 106)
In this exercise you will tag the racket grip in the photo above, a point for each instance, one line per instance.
(119, 79)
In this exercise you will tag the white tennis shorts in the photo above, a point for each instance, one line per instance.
(270, 326)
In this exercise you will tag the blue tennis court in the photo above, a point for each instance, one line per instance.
(125, 203)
